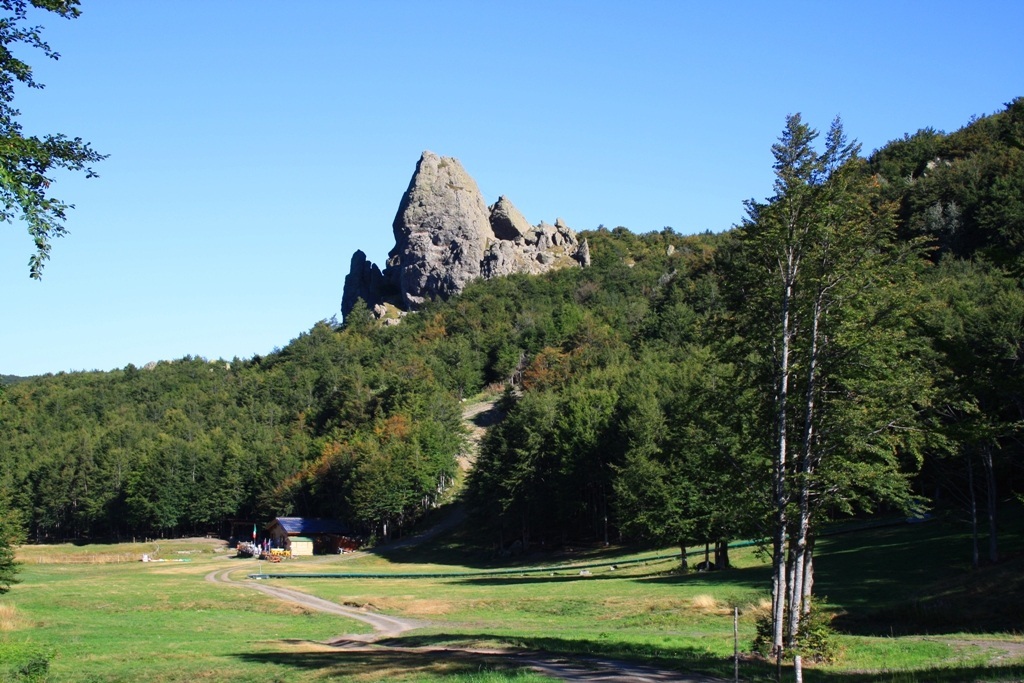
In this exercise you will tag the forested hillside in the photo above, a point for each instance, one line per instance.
(964, 191)
(646, 387)
(360, 421)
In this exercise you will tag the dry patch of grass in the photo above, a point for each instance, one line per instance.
(427, 608)
(287, 609)
(9, 619)
(99, 553)
(707, 604)
(403, 604)
(762, 608)
(76, 558)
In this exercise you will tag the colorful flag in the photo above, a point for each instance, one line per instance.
(254, 532)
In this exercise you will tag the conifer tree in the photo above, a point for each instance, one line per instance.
(10, 534)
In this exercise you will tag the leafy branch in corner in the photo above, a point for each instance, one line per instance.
(27, 162)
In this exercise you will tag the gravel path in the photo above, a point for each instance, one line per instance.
(581, 669)
(383, 625)
(477, 418)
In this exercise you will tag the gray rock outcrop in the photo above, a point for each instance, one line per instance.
(506, 221)
(446, 236)
(441, 232)
(364, 280)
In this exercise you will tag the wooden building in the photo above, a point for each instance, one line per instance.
(308, 535)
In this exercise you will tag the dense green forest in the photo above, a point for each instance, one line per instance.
(641, 395)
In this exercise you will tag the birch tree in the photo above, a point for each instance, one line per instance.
(825, 283)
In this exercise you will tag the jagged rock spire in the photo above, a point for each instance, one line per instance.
(446, 236)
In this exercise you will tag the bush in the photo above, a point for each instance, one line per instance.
(23, 664)
(816, 640)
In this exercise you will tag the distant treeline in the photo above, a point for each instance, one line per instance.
(639, 408)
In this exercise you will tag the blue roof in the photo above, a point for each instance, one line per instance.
(311, 525)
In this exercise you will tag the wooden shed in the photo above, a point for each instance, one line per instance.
(300, 546)
(306, 535)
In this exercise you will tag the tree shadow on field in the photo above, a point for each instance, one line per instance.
(455, 654)
(342, 662)
(450, 540)
(754, 578)
(748, 577)
(992, 672)
(488, 418)
(917, 580)
(859, 571)
(513, 580)
(443, 654)
(987, 600)
(559, 575)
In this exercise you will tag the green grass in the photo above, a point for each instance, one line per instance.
(104, 616)
(150, 621)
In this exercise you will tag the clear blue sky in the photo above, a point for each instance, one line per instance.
(254, 146)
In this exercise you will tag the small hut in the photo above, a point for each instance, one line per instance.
(300, 546)
(306, 535)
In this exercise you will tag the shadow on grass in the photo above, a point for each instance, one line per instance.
(443, 538)
(986, 674)
(514, 580)
(365, 663)
(461, 546)
(748, 577)
(451, 655)
(987, 600)
(756, 578)
(883, 566)
(916, 580)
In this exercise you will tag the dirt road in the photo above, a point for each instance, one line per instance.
(581, 669)
(383, 625)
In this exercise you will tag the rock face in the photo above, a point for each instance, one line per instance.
(446, 236)
(364, 280)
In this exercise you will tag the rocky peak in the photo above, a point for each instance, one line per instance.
(441, 231)
(446, 236)
(506, 221)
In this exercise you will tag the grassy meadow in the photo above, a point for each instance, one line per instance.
(908, 606)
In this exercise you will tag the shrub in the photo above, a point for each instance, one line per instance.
(23, 664)
(816, 640)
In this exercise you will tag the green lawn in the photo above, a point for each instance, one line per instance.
(104, 616)
(154, 621)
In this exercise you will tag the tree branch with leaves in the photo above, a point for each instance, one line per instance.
(28, 162)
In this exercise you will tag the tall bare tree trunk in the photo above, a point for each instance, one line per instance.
(808, 587)
(799, 562)
(722, 554)
(990, 488)
(780, 491)
(797, 608)
(975, 554)
(791, 588)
